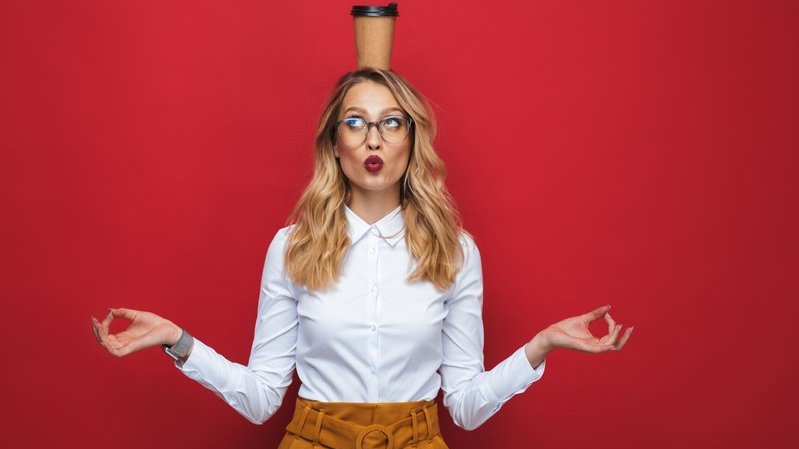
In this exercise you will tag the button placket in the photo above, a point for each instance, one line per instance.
(378, 266)
(374, 262)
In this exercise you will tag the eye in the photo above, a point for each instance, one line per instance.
(392, 122)
(354, 122)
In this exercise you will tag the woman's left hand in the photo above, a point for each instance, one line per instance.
(573, 333)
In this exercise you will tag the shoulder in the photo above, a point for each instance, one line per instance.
(471, 261)
(470, 273)
(274, 266)
(468, 244)
(277, 246)
(282, 236)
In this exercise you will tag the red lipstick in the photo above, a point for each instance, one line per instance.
(373, 163)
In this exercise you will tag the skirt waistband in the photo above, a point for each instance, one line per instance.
(364, 425)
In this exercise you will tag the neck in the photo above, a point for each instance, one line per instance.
(371, 206)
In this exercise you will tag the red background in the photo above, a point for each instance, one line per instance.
(641, 154)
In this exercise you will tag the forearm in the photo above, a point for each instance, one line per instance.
(537, 349)
(255, 392)
(478, 398)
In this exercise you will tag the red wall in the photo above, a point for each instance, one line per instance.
(641, 154)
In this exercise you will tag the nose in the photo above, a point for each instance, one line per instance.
(374, 141)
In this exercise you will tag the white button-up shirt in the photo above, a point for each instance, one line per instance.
(372, 337)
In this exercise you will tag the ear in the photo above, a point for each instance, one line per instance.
(335, 151)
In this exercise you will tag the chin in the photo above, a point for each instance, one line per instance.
(376, 184)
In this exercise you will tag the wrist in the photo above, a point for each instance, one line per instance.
(537, 349)
(182, 347)
(173, 335)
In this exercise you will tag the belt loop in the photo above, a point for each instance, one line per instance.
(429, 422)
(318, 427)
(303, 418)
(415, 427)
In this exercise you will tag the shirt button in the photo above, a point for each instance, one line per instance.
(374, 328)
(371, 250)
(373, 289)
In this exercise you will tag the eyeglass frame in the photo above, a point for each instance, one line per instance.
(377, 125)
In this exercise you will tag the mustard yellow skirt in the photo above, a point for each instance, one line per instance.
(363, 425)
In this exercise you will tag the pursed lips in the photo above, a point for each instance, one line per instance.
(373, 163)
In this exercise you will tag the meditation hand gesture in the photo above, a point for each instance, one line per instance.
(146, 330)
(573, 333)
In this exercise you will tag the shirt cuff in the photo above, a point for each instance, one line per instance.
(199, 358)
(516, 376)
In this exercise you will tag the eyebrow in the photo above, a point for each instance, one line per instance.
(356, 108)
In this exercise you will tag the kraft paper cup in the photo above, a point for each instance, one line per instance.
(374, 34)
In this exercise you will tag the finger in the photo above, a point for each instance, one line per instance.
(123, 347)
(95, 324)
(614, 335)
(128, 314)
(624, 339)
(596, 313)
(611, 322)
(116, 349)
(107, 321)
(114, 345)
(597, 348)
(102, 332)
(592, 347)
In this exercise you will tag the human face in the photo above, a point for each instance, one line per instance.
(372, 102)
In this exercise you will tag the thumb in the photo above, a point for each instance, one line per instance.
(121, 312)
(597, 313)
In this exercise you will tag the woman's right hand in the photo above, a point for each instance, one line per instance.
(145, 330)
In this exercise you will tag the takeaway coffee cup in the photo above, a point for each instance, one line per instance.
(374, 34)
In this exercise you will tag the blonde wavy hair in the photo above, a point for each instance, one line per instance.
(319, 240)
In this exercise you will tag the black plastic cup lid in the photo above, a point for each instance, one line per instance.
(376, 11)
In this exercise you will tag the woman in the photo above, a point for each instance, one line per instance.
(373, 292)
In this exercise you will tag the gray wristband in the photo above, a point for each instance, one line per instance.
(180, 350)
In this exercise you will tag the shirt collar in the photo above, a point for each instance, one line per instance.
(391, 227)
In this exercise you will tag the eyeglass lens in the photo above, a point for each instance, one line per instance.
(353, 130)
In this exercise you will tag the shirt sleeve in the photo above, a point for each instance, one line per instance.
(471, 394)
(256, 391)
